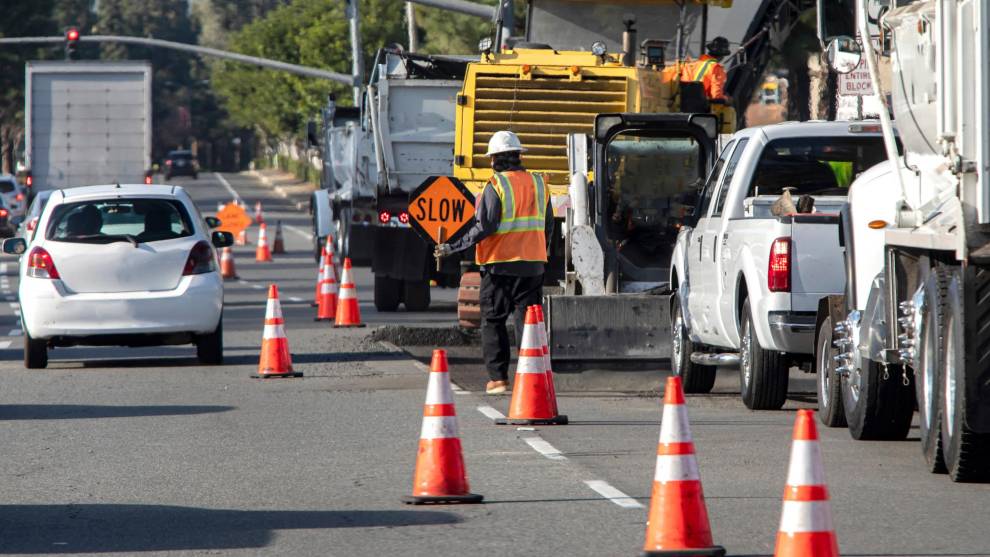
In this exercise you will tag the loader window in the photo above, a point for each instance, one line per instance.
(815, 166)
(652, 182)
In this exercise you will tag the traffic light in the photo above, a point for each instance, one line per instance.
(71, 41)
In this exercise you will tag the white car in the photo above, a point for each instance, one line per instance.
(124, 265)
(15, 198)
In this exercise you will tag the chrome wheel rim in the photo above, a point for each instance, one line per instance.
(928, 376)
(676, 342)
(824, 367)
(950, 376)
(747, 345)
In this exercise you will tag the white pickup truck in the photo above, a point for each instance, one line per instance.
(764, 249)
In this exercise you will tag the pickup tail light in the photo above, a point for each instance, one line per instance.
(200, 260)
(40, 265)
(779, 268)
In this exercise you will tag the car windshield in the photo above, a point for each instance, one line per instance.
(177, 155)
(814, 166)
(119, 220)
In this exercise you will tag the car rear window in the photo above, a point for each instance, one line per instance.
(815, 166)
(6, 186)
(119, 220)
(183, 156)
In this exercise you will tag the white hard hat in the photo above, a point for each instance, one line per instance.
(504, 142)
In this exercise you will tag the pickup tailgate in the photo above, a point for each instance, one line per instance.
(818, 267)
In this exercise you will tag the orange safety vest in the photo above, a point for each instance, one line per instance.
(521, 232)
(709, 72)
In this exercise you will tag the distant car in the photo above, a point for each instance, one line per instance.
(181, 163)
(15, 196)
(125, 265)
(30, 222)
(7, 228)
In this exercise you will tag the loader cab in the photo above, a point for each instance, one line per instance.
(648, 171)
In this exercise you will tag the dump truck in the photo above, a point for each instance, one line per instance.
(87, 122)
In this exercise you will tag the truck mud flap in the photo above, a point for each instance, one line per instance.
(609, 328)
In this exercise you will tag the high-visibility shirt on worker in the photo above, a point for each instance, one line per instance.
(709, 72)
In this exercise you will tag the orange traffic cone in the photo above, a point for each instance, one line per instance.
(227, 269)
(546, 356)
(531, 403)
(348, 312)
(275, 360)
(440, 475)
(259, 217)
(241, 239)
(319, 276)
(279, 246)
(328, 295)
(678, 520)
(806, 520)
(262, 253)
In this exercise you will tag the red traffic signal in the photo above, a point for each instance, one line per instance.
(72, 34)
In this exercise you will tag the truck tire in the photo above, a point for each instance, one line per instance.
(209, 347)
(763, 374)
(35, 352)
(967, 453)
(416, 295)
(388, 293)
(830, 410)
(878, 405)
(929, 340)
(695, 378)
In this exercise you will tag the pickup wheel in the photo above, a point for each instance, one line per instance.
(763, 374)
(878, 405)
(388, 293)
(695, 378)
(966, 452)
(830, 410)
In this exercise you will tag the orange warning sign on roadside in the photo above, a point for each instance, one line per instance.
(233, 219)
(440, 209)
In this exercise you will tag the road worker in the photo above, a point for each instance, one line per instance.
(708, 70)
(514, 221)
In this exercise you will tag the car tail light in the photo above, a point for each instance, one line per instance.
(404, 217)
(28, 180)
(147, 180)
(40, 265)
(19, 196)
(200, 260)
(168, 162)
(4, 213)
(779, 269)
(384, 217)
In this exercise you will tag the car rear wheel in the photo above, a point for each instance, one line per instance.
(209, 347)
(35, 352)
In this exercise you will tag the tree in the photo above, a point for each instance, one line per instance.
(444, 32)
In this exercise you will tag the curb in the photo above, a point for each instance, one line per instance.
(280, 190)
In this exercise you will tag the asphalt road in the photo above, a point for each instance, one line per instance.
(145, 451)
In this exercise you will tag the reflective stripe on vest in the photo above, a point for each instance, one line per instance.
(520, 235)
(512, 222)
(703, 69)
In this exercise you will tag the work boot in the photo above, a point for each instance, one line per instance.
(496, 387)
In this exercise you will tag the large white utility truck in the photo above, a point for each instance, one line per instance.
(913, 327)
(87, 123)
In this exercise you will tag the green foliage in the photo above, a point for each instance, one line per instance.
(443, 32)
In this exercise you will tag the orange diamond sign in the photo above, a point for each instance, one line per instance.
(440, 209)
(233, 219)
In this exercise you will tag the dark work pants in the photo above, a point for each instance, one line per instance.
(502, 295)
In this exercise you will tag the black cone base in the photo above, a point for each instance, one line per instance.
(714, 551)
(276, 375)
(556, 420)
(470, 498)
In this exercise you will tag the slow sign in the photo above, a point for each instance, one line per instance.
(440, 209)
(233, 219)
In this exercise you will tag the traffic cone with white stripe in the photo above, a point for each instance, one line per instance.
(319, 276)
(678, 521)
(806, 520)
(259, 217)
(531, 404)
(241, 239)
(348, 312)
(275, 360)
(262, 254)
(440, 476)
(227, 268)
(327, 310)
(278, 247)
(546, 356)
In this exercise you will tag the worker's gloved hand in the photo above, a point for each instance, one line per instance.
(442, 250)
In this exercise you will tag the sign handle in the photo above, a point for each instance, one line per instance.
(442, 238)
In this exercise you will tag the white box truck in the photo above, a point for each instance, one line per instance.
(87, 123)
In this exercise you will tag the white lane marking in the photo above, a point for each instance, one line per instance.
(15, 333)
(17, 312)
(5, 344)
(490, 412)
(299, 231)
(295, 299)
(546, 449)
(242, 281)
(458, 390)
(257, 286)
(14, 305)
(606, 490)
(223, 182)
(3, 267)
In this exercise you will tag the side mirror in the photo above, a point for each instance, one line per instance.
(220, 238)
(843, 54)
(14, 246)
(212, 222)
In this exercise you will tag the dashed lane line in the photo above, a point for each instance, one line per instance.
(223, 182)
(15, 333)
(299, 231)
(546, 449)
(5, 344)
(606, 490)
(295, 299)
(490, 412)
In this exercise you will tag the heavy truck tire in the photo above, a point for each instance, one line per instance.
(695, 378)
(929, 340)
(830, 410)
(878, 405)
(416, 295)
(388, 293)
(469, 300)
(967, 333)
(763, 374)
